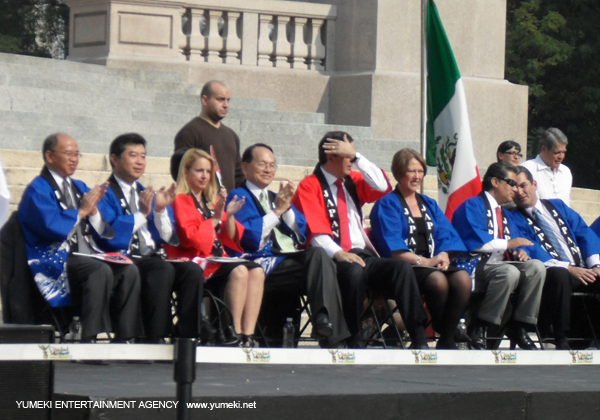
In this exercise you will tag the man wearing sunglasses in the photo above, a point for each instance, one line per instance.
(505, 266)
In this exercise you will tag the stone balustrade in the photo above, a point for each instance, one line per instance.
(266, 33)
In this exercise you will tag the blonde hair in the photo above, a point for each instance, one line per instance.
(188, 159)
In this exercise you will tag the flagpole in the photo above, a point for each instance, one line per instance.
(423, 81)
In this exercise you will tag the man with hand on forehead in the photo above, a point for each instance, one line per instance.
(331, 199)
(275, 235)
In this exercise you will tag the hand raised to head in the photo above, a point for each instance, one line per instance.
(340, 147)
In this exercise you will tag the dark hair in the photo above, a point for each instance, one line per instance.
(524, 170)
(176, 161)
(400, 162)
(496, 170)
(505, 146)
(336, 135)
(248, 154)
(50, 143)
(118, 145)
(207, 88)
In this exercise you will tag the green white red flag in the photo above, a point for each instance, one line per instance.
(449, 141)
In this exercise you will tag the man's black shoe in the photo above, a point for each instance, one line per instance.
(562, 344)
(478, 338)
(322, 327)
(521, 338)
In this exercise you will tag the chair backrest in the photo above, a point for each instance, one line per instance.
(22, 302)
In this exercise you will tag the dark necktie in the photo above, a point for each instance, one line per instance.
(144, 249)
(82, 241)
(67, 195)
(345, 241)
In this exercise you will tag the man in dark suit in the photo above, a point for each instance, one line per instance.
(566, 245)
(274, 233)
(142, 220)
(61, 224)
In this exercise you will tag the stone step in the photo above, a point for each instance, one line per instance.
(585, 194)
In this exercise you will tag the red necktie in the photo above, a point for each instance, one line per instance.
(345, 242)
(499, 219)
(499, 222)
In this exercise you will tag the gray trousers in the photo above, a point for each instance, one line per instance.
(526, 279)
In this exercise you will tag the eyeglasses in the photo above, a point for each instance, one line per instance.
(265, 165)
(513, 154)
(509, 181)
(70, 155)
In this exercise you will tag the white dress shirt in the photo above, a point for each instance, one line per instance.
(590, 261)
(270, 220)
(161, 220)
(376, 180)
(551, 184)
(497, 246)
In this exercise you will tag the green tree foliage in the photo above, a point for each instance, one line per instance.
(34, 27)
(554, 47)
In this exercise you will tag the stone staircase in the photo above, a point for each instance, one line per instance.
(94, 104)
(21, 166)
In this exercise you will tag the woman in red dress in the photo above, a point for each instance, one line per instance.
(205, 228)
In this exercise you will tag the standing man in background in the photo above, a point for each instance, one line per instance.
(554, 180)
(208, 133)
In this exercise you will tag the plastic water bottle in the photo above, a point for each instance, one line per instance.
(462, 340)
(75, 330)
(288, 334)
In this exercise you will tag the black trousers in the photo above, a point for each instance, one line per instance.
(393, 277)
(107, 297)
(311, 273)
(159, 279)
(555, 307)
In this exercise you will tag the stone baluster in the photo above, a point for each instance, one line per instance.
(299, 48)
(283, 48)
(214, 42)
(184, 40)
(233, 44)
(265, 42)
(196, 38)
(317, 49)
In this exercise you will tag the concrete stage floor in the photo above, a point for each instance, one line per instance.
(338, 392)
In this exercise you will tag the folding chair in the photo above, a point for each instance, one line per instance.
(588, 300)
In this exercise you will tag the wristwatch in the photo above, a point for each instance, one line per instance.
(595, 266)
(418, 260)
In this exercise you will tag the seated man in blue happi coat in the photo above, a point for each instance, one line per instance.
(62, 224)
(274, 234)
(505, 267)
(143, 220)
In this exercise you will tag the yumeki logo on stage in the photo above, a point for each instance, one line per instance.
(256, 356)
(55, 352)
(504, 356)
(425, 357)
(342, 357)
(582, 357)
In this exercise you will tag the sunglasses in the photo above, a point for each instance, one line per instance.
(509, 181)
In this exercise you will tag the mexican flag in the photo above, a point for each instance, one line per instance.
(449, 141)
